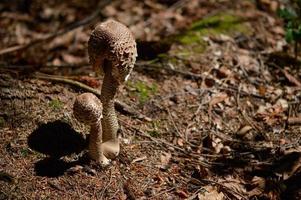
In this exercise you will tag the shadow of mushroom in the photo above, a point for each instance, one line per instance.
(55, 139)
(51, 167)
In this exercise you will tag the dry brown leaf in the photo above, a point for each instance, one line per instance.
(244, 130)
(236, 188)
(213, 142)
(223, 72)
(90, 81)
(217, 99)
(165, 158)
(289, 165)
(262, 90)
(210, 194)
(182, 193)
(63, 40)
(294, 120)
(71, 59)
(22, 34)
(258, 184)
(139, 159)
(247, 62)
(291, 78)
(180, 142)
(272, 115)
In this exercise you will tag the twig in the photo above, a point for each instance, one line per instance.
(73, 26)
(120, 106)
(106, 186)
(290, 77)
(174, 124)
(253, 125)
(294, 120)
(139, 65)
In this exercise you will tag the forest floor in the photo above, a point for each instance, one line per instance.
(211, 111)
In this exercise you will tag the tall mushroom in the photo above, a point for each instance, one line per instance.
(112, 49)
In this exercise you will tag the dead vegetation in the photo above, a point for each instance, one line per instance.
(212, 109)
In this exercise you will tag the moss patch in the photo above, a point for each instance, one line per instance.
(191, 41)
(155, 127)
(222, 23)
(2, 122)
(142, 90)
(56, 104)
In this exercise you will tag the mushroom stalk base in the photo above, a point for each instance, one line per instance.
(95, 147)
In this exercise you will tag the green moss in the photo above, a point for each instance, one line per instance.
(143, 91)
(154, 132)
(222, 23)
(190, 37)
(24, 152)
(56, 104)
(2, 122)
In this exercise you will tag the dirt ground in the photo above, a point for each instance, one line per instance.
(211, 111)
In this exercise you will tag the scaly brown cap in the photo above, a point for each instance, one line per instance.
(87, 108)
(113, 42)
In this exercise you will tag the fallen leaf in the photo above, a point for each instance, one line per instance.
(180, 142)
(71, 59)
(244, 130)
(258, 184)
(139, 159)
(181, 193)
(288, 165)
(90, 81)
(215, 100)
(291, 78)
(210, 194)
(218, 99)
(165, 158)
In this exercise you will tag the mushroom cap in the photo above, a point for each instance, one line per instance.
(112, 41)
(87, 108)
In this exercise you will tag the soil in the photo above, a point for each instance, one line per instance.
(217, 87)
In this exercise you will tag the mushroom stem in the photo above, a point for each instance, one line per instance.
(108, 93)
(95, 140)
(109, 122)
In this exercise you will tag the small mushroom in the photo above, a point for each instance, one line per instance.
(87, 109)
(112, 49)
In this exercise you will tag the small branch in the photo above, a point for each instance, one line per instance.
(120, 106)
(140, 65)
(291, 78)
(242, 112)
(294, 120)
(106, 186)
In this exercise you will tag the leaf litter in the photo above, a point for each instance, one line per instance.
(225, 115)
